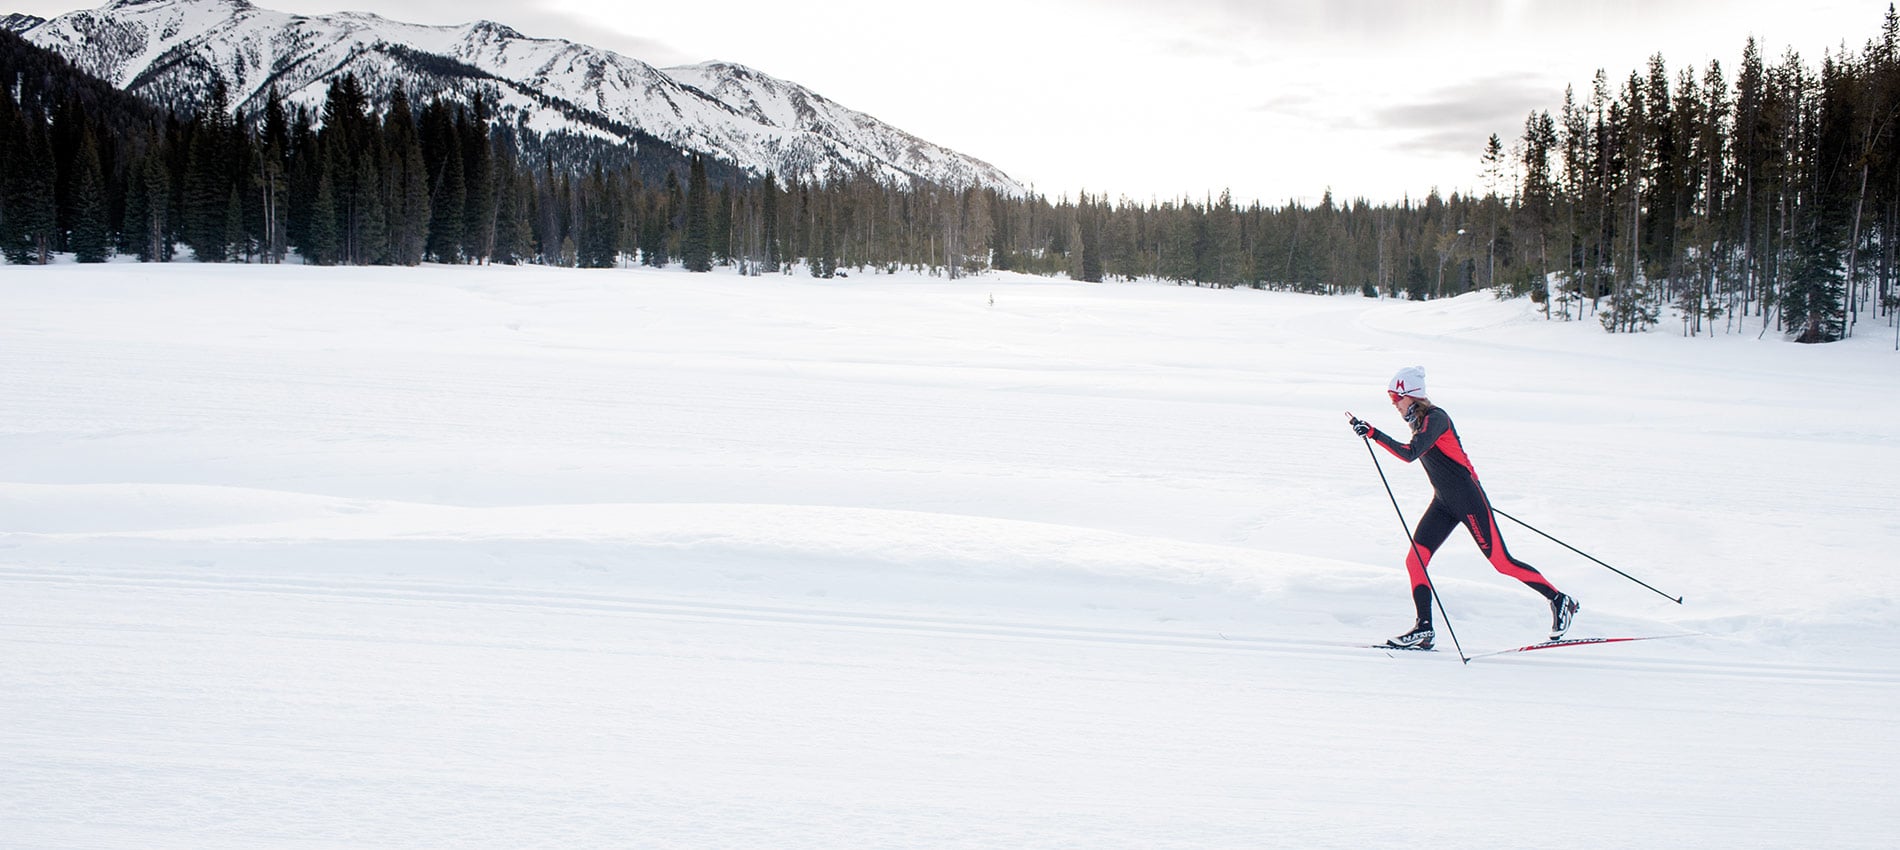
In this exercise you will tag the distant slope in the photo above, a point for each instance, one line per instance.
(42, 78)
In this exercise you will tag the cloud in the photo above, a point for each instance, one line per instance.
(1338, 21)
(1386, 21)
(1295, 103)
(1458, 119)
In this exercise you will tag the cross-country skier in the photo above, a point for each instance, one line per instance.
(1457, 498)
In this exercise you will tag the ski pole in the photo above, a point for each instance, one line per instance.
(1442, 613)
(1675, 599)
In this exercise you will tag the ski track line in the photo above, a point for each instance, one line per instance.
(410, 593)
(702, 612)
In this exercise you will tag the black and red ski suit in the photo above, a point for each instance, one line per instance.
(1457, 499)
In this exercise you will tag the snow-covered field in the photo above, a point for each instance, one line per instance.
(498, 557)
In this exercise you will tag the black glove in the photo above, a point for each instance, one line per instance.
(1361, 427)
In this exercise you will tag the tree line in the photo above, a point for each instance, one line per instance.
(1771, 200)
(1774, 195)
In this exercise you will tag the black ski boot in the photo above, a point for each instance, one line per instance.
(1562, 609)
(1420, 637)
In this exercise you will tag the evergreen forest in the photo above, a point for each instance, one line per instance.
(1762, 197)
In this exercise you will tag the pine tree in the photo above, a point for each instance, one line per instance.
(30, 222)
(653, 218)
(371, 225)
(448, 193)
(271, 181)
(90, 242)
(598, 245)
(1223, 258)
(66, 130)
(448, 203)
(1492, 222)
(676, 213)
(514, 236)
(1001, 257)
(208, 179)
(722, 224)
(301, 171)
(234, 221)
(1538, 197)
(514, 233)
(824, 259)
(1812, 302)
(768, 219)
(406, 184)
(549, 228)
(12, 154)
(136, 207)
(478, 181)
(146, 222)
(696, 243)
(323, 242)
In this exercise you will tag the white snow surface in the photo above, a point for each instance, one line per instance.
(512, 557)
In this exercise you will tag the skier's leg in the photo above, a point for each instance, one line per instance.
(1484, 530)
(1433, 528)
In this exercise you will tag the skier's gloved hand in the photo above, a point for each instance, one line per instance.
(1361, 427)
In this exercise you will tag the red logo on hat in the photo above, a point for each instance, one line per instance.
(1401, 386)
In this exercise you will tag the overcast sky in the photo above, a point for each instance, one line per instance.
(1156, 99)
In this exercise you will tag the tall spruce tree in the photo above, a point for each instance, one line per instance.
(406, 183)
(30, 222)
(598, 243)
(768, 220)
(208, 179)
(448, 188)
(234, 222)
(722, 224)
(12, 149)
(148, 204)
(272, 186)
(371, 224)
(478, 181)
(514, 195)
(676, 212)
(823, 261)
(301, 172)
(323, 243)
(1812, 301)
(91, 240)
(653, 217)
(696, 243)
(514, 233)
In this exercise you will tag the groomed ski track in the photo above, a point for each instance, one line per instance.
(429, 712)
(504, 557)
(427, 595)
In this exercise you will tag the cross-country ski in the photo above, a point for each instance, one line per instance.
(1547, 644)
(1564, 642)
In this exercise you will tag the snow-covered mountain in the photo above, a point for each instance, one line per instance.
(172, 51)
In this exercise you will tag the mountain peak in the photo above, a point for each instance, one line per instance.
(492, 29)
(173, 52)
(20, 22)
(130, 5)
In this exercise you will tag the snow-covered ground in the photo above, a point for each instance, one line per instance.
(498, 557)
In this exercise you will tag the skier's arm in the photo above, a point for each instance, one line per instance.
(1421, 442)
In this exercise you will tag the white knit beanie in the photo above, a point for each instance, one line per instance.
(1410, 381)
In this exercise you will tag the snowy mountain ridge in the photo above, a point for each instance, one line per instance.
(171, 52)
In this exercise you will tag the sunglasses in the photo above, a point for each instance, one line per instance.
(1395, 396)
